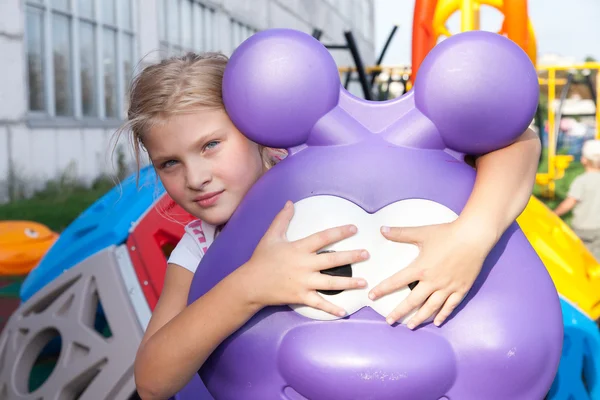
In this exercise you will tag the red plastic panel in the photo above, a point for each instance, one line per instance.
(152, 240)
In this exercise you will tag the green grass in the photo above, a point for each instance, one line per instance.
(57, 205)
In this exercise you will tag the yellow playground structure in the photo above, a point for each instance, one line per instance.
(557, 164)
(576, 273)
(572, 267)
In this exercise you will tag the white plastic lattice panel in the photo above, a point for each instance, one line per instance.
(89, 309)
(133, 287)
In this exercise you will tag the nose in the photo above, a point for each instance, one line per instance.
(366, 359)
(198, 175)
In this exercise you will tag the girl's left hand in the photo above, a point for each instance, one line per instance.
(450, 259)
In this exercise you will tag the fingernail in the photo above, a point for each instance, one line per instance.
(353, 229)
(364, 254)
(371, 296)
(342, 313)
(390, 321)
(385, 229)
(437, 323)
(411, 325)
(362, 282)
(288, 204)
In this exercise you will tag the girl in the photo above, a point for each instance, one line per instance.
(206, 165)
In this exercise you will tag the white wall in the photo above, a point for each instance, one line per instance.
(37, 149)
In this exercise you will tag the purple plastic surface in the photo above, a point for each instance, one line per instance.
(194, 390)
(476, 92)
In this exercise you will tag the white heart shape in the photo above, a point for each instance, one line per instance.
(317, 213)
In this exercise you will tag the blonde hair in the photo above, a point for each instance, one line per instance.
(591, 151)
(175, 86)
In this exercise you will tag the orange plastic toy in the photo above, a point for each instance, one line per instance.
(430, 17)
(22, 245)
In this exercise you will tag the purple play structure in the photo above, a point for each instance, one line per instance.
(369, 163)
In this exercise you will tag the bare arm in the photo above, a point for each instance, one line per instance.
(565, 206)
(503, 186)
(452, 255)
(179, 339)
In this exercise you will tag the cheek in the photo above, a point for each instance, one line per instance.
(173, 186)
(243, 169)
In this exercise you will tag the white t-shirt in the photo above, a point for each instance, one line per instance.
(586, 189)
(193, 245)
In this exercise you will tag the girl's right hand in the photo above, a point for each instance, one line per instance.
(281, 272)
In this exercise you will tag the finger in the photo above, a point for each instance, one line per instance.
(451, 303)
(332, 259)
(397, 281)
(413, 301)
(406, 234)
(315, 300)
(431, 306)
(327, 282)
(322, 239)
(282, 220)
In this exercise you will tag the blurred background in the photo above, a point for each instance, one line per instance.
(65, 67)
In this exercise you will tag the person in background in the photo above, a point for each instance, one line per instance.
(584, 199)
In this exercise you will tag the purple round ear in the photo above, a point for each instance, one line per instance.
(479, 89)
(278, 84)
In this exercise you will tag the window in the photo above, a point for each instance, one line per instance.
(239, 33)
(80, 56)
(185, 25)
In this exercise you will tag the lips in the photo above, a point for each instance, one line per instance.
(318, 213)
(208, 199)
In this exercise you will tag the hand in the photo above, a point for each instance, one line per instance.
(450, 259)
(283, 272)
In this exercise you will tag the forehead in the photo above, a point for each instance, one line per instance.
(186, 128)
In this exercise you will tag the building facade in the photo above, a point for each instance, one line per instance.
(65, 67)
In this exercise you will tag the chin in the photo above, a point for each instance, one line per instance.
(217, 215)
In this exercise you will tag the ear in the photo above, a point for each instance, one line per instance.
(479, 89)
(278, 84)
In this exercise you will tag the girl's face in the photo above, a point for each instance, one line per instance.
(205, 164)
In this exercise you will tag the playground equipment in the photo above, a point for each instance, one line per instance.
(336, 179)
(578, 376)
(161, 217)
(574, 270)
(105, 223)
(366, 78)
(136, 262)
(430, 17)
(571, 265)
(22, 245)
(93, 359)
(557, 164)
(86, 323)
(150, 243)
(516, 25)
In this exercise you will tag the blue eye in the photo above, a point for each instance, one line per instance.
(168, 164)
(211, 145)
